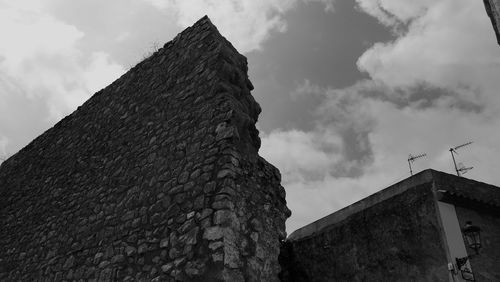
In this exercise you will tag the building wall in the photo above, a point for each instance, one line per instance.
(156, 177)
(479, 192)
(453, 237)
(486, 264)
(480, 203)
(398, 239)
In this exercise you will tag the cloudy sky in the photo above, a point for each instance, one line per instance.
(348, 88)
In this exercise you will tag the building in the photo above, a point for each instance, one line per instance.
(156, 177)
(410, 231)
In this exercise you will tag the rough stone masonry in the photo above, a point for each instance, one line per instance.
(157, 177)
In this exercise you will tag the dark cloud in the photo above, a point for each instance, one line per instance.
(323, 50)
(420, 95)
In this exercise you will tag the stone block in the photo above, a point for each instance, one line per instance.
(214, 233)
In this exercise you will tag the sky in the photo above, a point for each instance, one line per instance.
(348, 89)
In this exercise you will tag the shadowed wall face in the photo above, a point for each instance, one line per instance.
(157, 177)
(398, 239)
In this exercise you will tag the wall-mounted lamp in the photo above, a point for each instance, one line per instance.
(472, 236)
(467, 274)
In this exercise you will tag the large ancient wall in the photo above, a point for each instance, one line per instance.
(398, 239)
(157, 176)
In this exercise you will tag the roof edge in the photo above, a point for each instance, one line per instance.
(422, 177)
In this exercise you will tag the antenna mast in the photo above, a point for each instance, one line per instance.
(460, 169)
(413, 158)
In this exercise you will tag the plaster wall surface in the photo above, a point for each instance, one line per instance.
(155, 178)
(453, 237)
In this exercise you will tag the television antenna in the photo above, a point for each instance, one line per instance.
(413, 158)
(461, 169)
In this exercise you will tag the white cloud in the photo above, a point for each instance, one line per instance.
(441, 49)
(307, 88)
(247, 24)
(300, 155)
(40, 62)
(3, 145)
(123, 36)
(100, 72)
(395, 132)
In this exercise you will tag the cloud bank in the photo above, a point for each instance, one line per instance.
(43, 71)
(435, 86)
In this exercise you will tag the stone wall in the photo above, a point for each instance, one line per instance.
(398, 239)
(156, 177)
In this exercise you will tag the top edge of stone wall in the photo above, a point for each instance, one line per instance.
(183, 39)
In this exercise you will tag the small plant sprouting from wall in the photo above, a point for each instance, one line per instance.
(153, 48)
